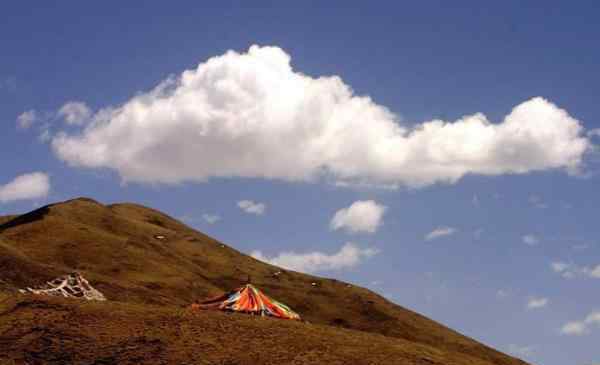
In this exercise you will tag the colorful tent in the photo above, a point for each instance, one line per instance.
(248, 299)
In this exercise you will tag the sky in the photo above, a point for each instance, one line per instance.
(442, 155)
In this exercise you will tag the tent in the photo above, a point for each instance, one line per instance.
(69, 286)
(248, 299)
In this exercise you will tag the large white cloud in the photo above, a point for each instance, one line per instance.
(252, 115)
(361, 216)
(25, 187)
(348, 256)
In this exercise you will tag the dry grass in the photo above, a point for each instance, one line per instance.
(150, 280)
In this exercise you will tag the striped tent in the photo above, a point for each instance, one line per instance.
(248, 299)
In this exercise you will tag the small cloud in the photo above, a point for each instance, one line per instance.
(530, 239)
(348, 256)
(440, 232)
(26, 119)
(567, 271)
(211, 218)
(537, 201)
(594, 133)
(582, 327)
(362, 216)
(570, 271)
(252, 207)
(9, 84)
(502, 293)
(521, 351)
(575, 328)
(536, 303)
(475, 200)
(593, 272)
(25, 187)
(45, 134)
(75, 113)
(581, 246)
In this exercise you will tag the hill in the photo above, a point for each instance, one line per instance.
(150, 266)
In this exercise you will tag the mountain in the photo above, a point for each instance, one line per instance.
(151, 267)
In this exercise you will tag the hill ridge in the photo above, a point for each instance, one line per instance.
(116, 247)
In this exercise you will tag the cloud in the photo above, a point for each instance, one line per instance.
(521, 351)
(582, 327)
(502, 293)
(75, 113)
(350, 255)
(9, 83)
(25, 187)
(594, 132)
(361, 216)
(252, 207)
(440, 232)
(569, 270)
(26, 119)
(211, 218)
(536, 303)
(530, 239)
(252, 115)
(537, 202)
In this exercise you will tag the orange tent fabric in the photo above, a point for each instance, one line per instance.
(248, 299)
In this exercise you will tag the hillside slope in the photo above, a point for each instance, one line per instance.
(150, 266)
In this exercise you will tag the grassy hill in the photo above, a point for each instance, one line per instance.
(150, 267)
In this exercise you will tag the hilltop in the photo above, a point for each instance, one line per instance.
(151, 266)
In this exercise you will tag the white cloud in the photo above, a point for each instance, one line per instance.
(594, 132)
(252, 207)
(530, 239)
(440, 232)
(211, 218)
(26, 119)
(521, 351)
(252, 115)
(537, 201)
(569, 270)
(361, 216)
(348, 256)
(581, 246)
(45, 132)
(75, 113)
(25, 187)
(9, 83)
(582, 327)
(536, 303)
(502, 293)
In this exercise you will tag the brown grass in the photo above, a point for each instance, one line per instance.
(149, 281)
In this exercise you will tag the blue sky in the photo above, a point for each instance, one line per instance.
(515, 258)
